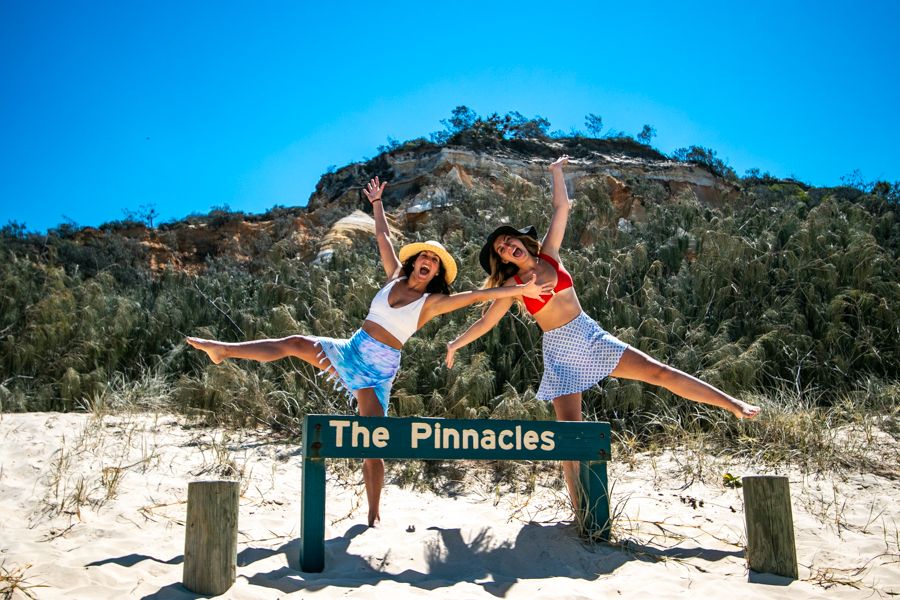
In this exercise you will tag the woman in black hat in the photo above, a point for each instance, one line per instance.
(365, 364)
(577, 351)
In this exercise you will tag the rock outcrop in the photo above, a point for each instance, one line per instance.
(423, 176)
(345, 231)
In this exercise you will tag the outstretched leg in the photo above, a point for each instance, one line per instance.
(634, 364)
(306, 349)
(299, 346)
(568, 408)
(373, 468)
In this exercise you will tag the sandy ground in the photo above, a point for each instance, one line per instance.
(95, 508)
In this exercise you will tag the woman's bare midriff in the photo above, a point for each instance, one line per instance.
(560, 309)
(381, 334)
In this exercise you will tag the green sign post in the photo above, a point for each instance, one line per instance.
(339, 436)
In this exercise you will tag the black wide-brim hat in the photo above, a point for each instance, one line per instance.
(485, 257)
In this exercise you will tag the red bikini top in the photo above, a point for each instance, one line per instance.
(563, 281)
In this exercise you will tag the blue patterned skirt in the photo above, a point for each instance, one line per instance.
(362, 362)
(577, 356)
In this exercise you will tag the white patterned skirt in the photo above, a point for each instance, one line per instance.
(577, 356)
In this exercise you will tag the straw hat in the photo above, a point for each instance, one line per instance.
(436, 247)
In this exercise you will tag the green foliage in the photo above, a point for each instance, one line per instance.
(706, 157)
(594, 124)
(787, 287)
(145, 214)
(466, 127)
(646, 135)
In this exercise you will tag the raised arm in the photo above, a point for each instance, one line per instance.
(389, 258)
(439, 304)
(552, 241)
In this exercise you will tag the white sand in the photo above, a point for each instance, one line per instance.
(68, 524)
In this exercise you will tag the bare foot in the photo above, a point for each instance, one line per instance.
(374, 519)
(213, 349)
(742, 410)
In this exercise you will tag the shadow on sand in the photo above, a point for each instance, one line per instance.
(551, 551)
(538, 552)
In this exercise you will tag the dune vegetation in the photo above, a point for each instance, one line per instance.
(788, 297)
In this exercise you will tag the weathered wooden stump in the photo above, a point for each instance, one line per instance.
(210, 537)
(770, 525)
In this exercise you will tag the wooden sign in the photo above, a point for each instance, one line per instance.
(341, 436)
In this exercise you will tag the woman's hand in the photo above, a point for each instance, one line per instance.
(533, 290)
(559, 163)
(451, 353)
(373, 190)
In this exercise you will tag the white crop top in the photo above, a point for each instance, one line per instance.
(400, 322)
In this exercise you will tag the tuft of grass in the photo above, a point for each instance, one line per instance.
(88, 468)
(16, 580)
(150, 391)
(218, 457)
(110, 477)
(794, 428)
(829, 577)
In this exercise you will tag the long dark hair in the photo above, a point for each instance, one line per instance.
(438, 285)
(501, 272)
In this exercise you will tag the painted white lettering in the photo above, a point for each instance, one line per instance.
(488, 440)
(338, 425)
(470, 434)
(420, 431)
(359, 433)
(451, 438)
(380, 437)
(505, 434)
(518, 437)
(548, 442)
(437, 436)
(530, 440)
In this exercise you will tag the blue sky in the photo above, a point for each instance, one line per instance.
(108, 106)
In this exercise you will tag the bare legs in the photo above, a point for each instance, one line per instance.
(373, 468)
(298, 346)
(305, 349)
(634, 364)
(568, 408)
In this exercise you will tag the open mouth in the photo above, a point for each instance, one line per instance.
(517, 253)
(424, 271)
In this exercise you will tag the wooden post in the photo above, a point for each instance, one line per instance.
(770, 525)
(594, 497)
(312, 511)
(312, 501)
(210, 537)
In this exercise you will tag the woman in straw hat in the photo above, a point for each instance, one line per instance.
(365, 365)
(577, 351)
